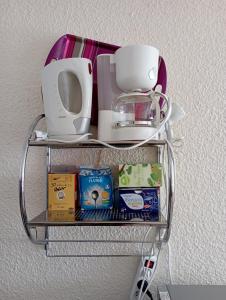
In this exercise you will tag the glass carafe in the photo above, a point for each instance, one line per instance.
(136, 110)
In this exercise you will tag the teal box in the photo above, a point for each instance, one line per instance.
(95, 188)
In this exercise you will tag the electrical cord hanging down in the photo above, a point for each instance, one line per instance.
(138, 284)
(143, 262)
(148, 264)
(150, 281)
(154, 260)
(157, 248)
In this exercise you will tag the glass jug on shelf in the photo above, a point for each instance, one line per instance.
(137, 110)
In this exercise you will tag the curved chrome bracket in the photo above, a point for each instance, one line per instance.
(22, 181)
(170, 188)
(171, 191)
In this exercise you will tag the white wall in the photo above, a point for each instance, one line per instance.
(190, 36)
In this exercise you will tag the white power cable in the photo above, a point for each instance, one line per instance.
(159, 129)
(111, 146)
(80, 138)
(155, 253)
(142, 258)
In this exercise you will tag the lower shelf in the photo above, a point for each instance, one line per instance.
(97, 218)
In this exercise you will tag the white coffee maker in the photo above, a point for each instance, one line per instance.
(128, 106)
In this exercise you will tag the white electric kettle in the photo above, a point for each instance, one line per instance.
(67, 95)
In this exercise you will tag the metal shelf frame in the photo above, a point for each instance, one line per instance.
(162, 225)
(102, 217)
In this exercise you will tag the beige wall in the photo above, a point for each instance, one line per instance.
(190, 36)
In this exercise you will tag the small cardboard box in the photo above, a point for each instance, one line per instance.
(62, 192)
(139, 200)
(96, 188)
(140, 175)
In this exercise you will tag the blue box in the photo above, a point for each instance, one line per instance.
(95, 188)
(139, 200)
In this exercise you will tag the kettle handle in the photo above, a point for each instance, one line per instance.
(83, 72)
(86, 82)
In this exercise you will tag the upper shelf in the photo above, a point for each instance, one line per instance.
(96, 217)
(90, 144)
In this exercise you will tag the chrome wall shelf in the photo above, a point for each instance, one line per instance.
(107, 218)
(87, 144)
(96, 218)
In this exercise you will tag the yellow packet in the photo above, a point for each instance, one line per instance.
(62, 192)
